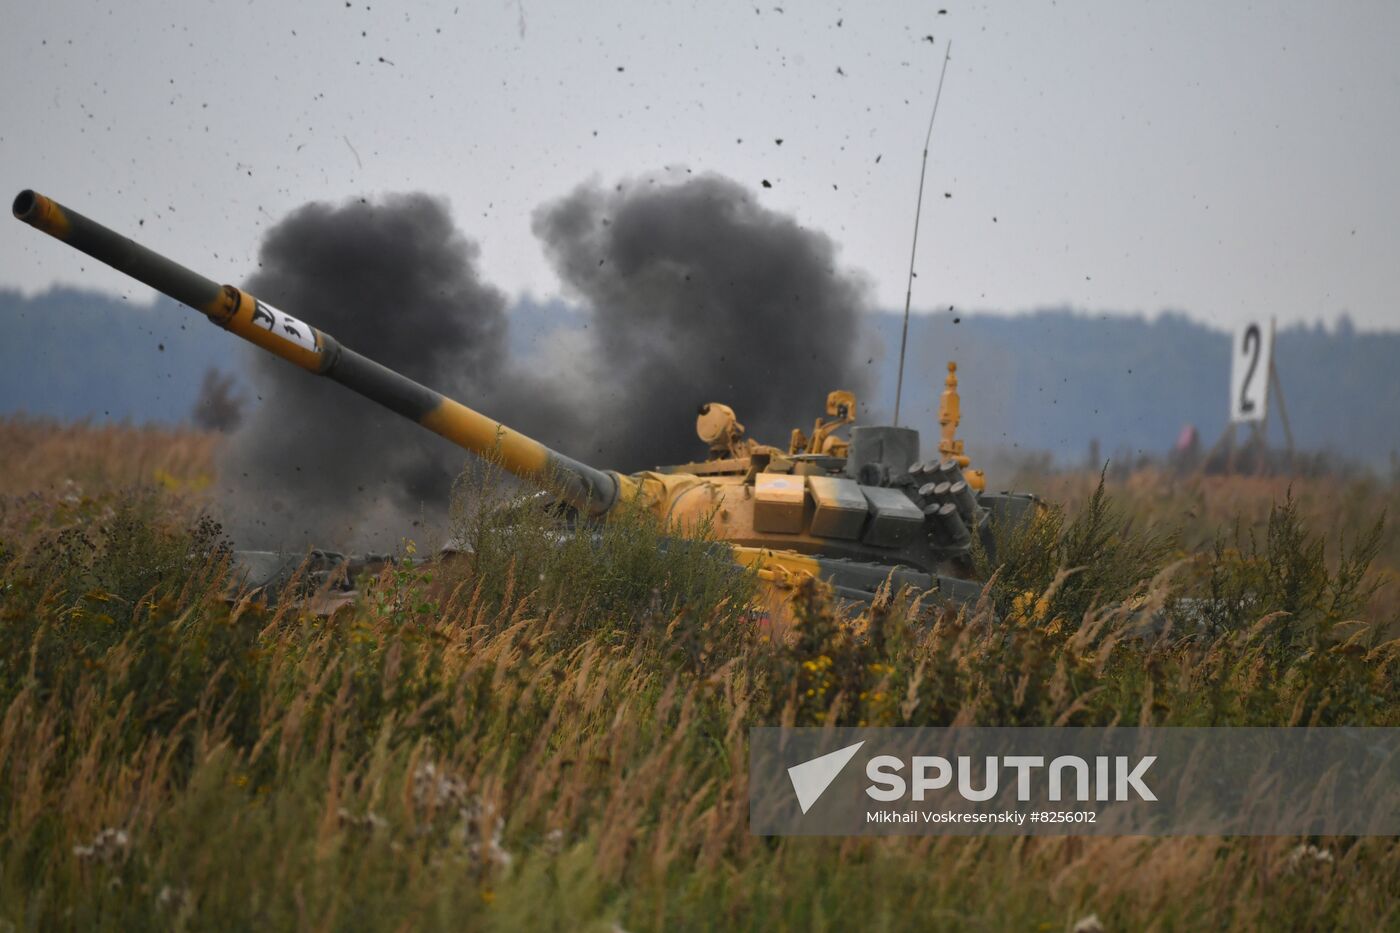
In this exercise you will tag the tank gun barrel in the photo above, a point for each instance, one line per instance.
(233, 309)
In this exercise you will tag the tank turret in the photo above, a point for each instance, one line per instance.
(852, 510)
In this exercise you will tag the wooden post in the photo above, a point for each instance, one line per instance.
(1215, 448)
(1283, 416)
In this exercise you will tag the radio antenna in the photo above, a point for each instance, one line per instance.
(913, 249)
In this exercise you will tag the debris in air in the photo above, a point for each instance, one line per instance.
(353, 152)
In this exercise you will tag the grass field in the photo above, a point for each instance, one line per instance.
(554, 737)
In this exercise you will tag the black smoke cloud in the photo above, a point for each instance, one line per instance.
(692, 292)
(396, 280)
(698, 293)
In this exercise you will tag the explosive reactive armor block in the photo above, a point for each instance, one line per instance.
(840, 507)
(780, 501)
(894, 520)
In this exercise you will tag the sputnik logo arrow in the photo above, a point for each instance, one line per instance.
(811, 778)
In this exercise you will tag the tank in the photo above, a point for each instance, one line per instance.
(855, 511)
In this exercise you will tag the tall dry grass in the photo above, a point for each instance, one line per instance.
(43, 456)
(550, 733)
(1206, 511)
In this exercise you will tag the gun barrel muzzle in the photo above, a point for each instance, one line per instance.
(124, 255)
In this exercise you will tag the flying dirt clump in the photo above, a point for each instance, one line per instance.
(698, 293)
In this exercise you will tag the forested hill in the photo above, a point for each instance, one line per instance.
(73, 354)
(1055, 379)
(1051, 380)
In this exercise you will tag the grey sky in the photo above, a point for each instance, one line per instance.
(1223, 158)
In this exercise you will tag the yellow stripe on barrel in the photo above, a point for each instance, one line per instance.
(241, 323)
(49, 217)
(488, 437)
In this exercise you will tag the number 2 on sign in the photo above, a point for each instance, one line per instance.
(1252, 341)
(1249, 372)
